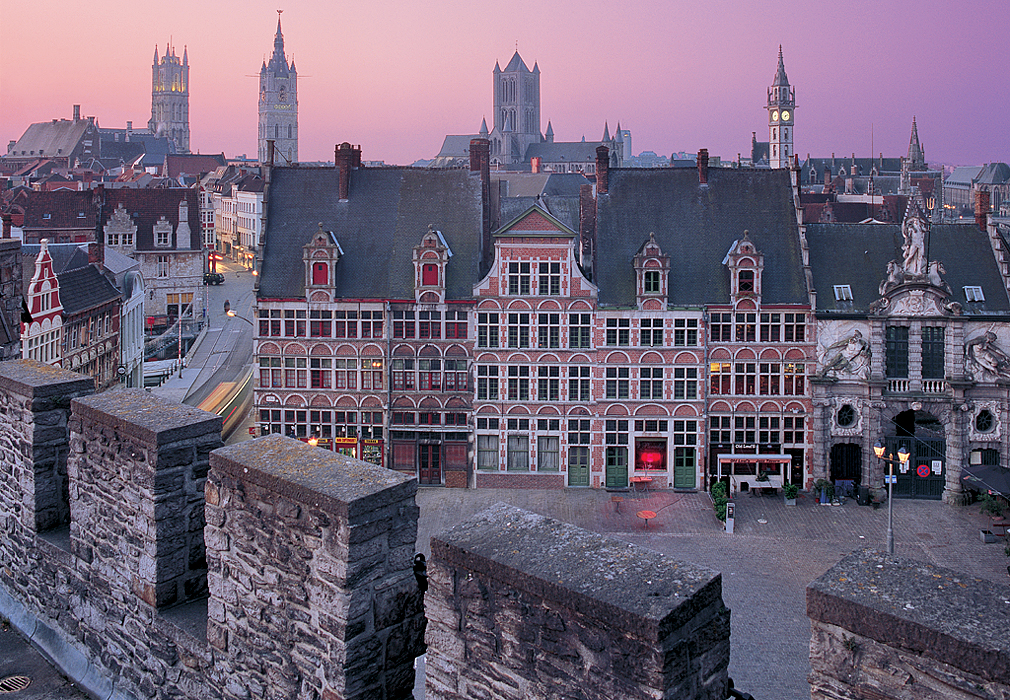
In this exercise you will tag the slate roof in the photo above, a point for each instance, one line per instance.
(863, 167)
(516, 63)
(993, 174)
(177, 164)
(54, 138)
(696, 225)
(63, 208)
(963, 175)
(147, 206)
(84, 288)
(564, 151)
(857, 255)
(387, 212)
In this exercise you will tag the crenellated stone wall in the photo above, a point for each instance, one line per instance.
(522, 606)
(894, 629)
(311, 573)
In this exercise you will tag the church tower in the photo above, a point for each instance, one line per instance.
(781, 104)
(278, 105)
(516, 109)
(170, 98)
(916, 153)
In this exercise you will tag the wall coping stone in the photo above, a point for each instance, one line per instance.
(37, 380)
(615, 582)
(145, 417)
(312, 475)
(930, 610)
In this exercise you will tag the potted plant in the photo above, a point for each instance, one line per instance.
(988, 505)
(790, 491)
(826, 489)
(719, 499)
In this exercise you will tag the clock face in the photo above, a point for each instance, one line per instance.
(775, 116)
(785, 115)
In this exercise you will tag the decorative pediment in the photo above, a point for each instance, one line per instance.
(745, 264)
(652, 275)
(431, 258)
(320, 257)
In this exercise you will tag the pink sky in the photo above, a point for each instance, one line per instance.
(395, 77)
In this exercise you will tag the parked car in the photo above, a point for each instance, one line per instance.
(213, 278)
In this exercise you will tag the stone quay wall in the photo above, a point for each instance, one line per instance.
(311, 573)
(312, 593)
(893, 629)
(523, 606)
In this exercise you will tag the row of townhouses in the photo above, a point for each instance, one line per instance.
(679, 324)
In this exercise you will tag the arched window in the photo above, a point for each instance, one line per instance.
(319, 273)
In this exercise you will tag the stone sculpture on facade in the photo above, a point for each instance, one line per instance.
(914, 249)
(985, 360)
(848, 358)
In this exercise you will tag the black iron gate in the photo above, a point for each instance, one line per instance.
(925, 475)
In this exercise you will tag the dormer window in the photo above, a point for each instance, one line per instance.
(652, 282)
(320, 273)
(974, 294)
(47, 217)
(746, 280)
(429, 275)
(843, 292)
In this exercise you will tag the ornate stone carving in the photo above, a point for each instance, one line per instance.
(916, 303)
(914, 249)
(846, 358)
(984, 360)
(853, 429)
(993, 434)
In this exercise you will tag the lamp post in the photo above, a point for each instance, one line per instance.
(903, 456)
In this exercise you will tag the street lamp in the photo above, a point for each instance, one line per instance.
(313, 440)
(903, 456)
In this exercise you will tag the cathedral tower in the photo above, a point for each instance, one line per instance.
(279, 105)
(516, 109)
(170, 98)
(781, 104)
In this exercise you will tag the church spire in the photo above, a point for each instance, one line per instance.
(916, 156)
(483, 127)
(780, 75)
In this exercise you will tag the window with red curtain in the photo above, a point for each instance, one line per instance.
(429, 275)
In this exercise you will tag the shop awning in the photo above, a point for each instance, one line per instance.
(986, 477)
(755, 458)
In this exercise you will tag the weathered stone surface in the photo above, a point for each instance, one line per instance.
(524, 606)
(886, 627)
(147, 418)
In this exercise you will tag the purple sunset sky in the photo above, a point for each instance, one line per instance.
(396, 77)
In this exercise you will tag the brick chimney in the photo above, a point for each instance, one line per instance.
(7, 221)
(981, 208)
(587, 228)
(96, 253)
(602, 169)
(480, 162)
(343, 157)
(535, 162)
(703, 166)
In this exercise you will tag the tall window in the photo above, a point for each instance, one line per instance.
(746, 281)
(578, 383)
(455, 324)
(771, 328)
(371, 374)
(721, 378)
(770, 382)
(932, 352)
(549, 283)
(429, 374)
(487, 383)
(548, 383)
(162, 262)
(793, 382)
(519, 278)
(346, 324)
(650, 384)
(518, 330)
(429, 324)
(455, 378)
(618, 331)
(518, 383)
(743, 429)
(548, 446)
(487, 444)
(371, 324)
(651, 333)
(518, 453)
(721, 328)
(487, 330)
(685, 383)
(579, 330)
(549, 330)
(294, 372)
(768, 430)
(617, 385)
(746, 378)
(746, 327)
(320, 374)
(794, 327)
(652, 282)
(403, 374)
(896, 352)
(403, 324)
(320, 324)
(685, 332)
(346, 374)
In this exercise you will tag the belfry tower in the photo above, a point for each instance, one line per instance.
(170, 98)
(278, 104)
(781, 104)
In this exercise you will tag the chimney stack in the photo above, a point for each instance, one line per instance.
(602, 169)
(480, 162)
(343, 157)
(7, 221)
(535, 164)
(703, 166)
(981, 208)
(96, 253)
(77, 113)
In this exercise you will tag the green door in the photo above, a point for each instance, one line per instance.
(617, 467)
(684, 470)
(578, 466)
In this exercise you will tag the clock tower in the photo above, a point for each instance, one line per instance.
(781, 104)
(278, 105)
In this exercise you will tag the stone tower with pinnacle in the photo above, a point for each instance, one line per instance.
(278, 104)
(170, 97)
(781, 105)
(516, 109)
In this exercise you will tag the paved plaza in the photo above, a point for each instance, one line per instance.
(766, 564)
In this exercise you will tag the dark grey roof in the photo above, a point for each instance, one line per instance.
(857, 255)
(387, 212)
(963, 175)
(456, 146)
(84, 288)
(564, 151)
(695, 225)
(517, 64)
(993, 174)
(863, 167)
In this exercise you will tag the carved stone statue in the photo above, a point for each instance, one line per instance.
(914, 249)
(984, 359)
(895, 276)
(849, 357)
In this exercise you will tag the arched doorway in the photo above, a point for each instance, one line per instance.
(925, 438)
(846, 467)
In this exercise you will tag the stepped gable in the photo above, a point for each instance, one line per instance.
(697, 224)
(386, 213)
